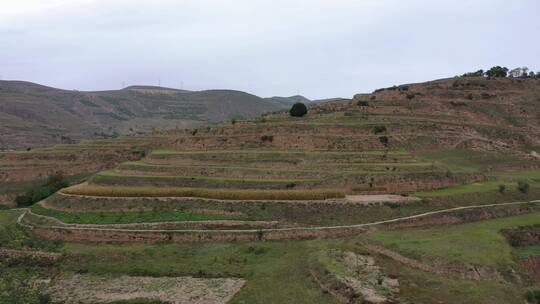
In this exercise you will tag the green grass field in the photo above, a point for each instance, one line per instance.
(104, 218)
(460, 160)
(531, 175)
(478, 243)
(462, 189)
(532, 250)
(268, 266)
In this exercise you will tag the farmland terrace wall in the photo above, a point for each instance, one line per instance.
(83, 234)
(523, 236)
(406, 183)
(118, 235)
(67, 163)
(532, 264)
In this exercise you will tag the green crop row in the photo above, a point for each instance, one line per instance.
(104, 218)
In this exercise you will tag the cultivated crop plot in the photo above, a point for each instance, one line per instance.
(166, 190)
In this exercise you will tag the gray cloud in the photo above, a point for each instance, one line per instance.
(312, 47)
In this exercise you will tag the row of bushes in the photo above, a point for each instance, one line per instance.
(522, 186)
(498, 71)
(54, 183)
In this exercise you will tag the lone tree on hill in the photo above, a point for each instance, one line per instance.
(497, 71)
(298, 110)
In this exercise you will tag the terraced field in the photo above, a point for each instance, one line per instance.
(384, 196)
(295, 170)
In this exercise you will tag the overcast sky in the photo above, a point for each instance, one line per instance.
(277, 47)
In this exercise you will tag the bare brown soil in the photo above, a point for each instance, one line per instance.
(177, 290)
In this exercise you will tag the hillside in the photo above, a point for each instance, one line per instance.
(35, 115)
(428, 135)
(362, 200)
(497, 115)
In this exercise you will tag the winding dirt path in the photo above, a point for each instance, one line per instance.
(290, 229)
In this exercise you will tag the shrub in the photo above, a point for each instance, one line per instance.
(260, 234)
(533, 296)
(379, 129)
(268, 138)
(54, 183)
(17, 288)
(298, 110)
(502, 188)
(523, 186)
(362, 103)
(23, 200)
(384, 140)
(290, 185)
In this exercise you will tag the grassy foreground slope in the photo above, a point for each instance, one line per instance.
(276, 272)
(479, 243)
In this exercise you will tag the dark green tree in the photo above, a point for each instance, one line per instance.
(298, 110)
(497, 71)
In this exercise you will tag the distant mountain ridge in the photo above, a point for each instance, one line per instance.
(36, 115)
(286, 102)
